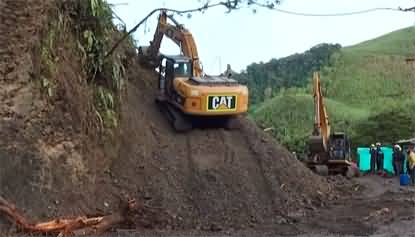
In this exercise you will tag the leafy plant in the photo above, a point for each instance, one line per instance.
(48, 57)
(96, 34)
(106, 107)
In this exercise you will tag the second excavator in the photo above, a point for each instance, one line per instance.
(328, 152)
(186, 95)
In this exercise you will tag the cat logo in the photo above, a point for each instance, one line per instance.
(222, 103)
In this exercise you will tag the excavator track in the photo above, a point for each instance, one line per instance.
(183, 123)
(176, 118)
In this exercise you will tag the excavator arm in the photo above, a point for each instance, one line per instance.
(179, 35)
(329, 152)
(321, 132)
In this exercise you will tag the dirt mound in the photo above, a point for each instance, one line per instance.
(44, 152)
(223, 178)
(206, 179)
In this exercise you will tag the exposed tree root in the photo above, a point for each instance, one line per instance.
(85, 225)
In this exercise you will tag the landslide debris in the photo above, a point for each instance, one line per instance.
(64, 150)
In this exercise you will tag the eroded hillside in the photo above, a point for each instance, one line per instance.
(58, 156)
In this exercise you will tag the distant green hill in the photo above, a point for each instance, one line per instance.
(291, 117)
(373, 73)
(369, 90)
(399, 42)
(267, 79)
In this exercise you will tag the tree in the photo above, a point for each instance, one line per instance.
(291, 71)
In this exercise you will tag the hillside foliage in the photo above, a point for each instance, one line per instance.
(369, 92)
(267, 79)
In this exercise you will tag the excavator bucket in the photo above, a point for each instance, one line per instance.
(316, 144)
(145, 58)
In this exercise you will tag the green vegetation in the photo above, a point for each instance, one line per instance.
(105, 73)
(101, 77)
(291, 117)
(267, 79)
(93, 37)
(369, 92)
(394, 43)
(391, 124)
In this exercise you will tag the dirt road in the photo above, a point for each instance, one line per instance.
(381, 208)
(376, 207)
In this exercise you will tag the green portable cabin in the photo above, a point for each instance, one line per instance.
(363, 154)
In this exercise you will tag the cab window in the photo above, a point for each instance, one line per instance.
(182, 69)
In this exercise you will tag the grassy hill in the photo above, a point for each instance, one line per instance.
(395, 43)
(369, 93)
(291, 116)
(374, 72)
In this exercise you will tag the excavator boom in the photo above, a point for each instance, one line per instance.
(321, 132)
(328, 152)
(179, 35)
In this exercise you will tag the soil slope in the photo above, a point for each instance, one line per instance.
(237, 177)
(205, 179)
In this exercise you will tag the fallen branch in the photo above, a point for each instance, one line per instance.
(86, 225)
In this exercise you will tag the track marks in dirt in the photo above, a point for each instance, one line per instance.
(210, 178)
(258, 160)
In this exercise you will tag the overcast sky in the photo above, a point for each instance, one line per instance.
(241, 37)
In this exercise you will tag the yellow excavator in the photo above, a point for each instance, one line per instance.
(186, 95)
(328, 152)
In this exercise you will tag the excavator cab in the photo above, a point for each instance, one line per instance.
(178, 66)
(339, 147)
(171, 67)
(182, 69)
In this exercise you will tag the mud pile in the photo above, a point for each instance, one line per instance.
(205, 179)
(234, 178)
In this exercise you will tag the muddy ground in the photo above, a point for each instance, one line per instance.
(211, 179)
(375, 207)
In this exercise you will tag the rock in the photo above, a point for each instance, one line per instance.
(215, 227)
(378, 213)
(68, 145)
(281, 220)
(296, 214)
(313, 208)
